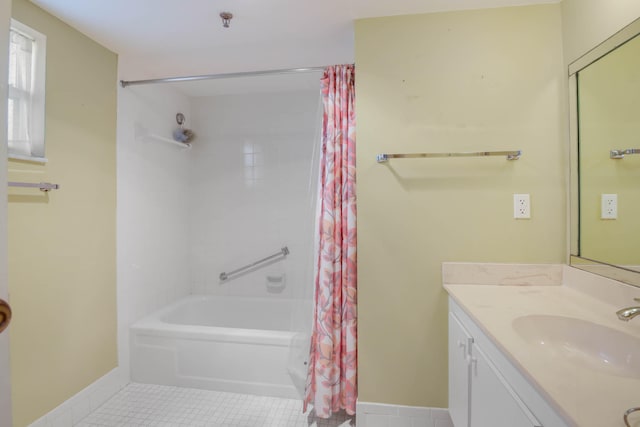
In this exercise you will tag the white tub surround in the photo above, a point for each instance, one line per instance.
(152, 208)
(581, 394)
(252, 182)
(217, 343)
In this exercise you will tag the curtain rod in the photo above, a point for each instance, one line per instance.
(125, 83)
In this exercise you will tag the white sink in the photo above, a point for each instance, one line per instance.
(581, 342)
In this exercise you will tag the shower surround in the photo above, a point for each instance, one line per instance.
(250, 192)
(245, 189)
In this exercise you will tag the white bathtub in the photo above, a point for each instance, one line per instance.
(234, 344)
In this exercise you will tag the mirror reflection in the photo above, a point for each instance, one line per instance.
(609, 119)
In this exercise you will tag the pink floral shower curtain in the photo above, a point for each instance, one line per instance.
(331, 380)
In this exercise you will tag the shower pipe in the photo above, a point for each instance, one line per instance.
(125, 83)
(283, 252)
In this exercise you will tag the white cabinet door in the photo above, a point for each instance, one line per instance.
(459, 372)
(493, 402)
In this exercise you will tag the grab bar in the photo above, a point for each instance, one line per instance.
(619, 154)
(283, 252)
(43, 186)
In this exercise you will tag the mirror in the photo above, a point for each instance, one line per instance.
(606, 185)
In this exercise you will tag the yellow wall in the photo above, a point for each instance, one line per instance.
(609, 90)
(587, 23)
(459, 81)
(62, 245)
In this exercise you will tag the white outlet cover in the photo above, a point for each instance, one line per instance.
(609, 206)
(521, 206)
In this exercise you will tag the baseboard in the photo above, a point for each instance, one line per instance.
(73, 410)
(381, 414)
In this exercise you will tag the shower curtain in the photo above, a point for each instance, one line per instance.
(331, 379)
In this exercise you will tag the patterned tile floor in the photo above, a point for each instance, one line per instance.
(156, 405)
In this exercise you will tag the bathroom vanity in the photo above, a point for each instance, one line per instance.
(539, 346)
(483, 383)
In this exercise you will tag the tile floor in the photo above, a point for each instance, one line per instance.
(157, 405)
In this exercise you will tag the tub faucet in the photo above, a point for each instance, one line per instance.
(629, 313)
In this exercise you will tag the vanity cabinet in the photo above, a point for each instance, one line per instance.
(493, 401)
(459, 372)
(485, 390)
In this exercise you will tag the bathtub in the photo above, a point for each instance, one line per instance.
(235, 344)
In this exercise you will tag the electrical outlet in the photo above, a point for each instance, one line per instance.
(521, 206)
(609, 206)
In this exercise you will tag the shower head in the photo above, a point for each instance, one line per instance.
(181, 134)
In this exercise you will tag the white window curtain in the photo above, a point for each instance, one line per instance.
(21, 85)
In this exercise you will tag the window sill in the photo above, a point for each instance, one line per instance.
(41, 160)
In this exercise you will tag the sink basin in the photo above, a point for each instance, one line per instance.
(581, 342)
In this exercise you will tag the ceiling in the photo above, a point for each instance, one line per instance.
(166, 27)
(163, 38)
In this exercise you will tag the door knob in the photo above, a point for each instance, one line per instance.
(5, 315)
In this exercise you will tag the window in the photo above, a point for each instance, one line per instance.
(25, 120)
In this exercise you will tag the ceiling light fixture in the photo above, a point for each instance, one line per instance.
(226, 18)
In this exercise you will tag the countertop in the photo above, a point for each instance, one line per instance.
(584, 397)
